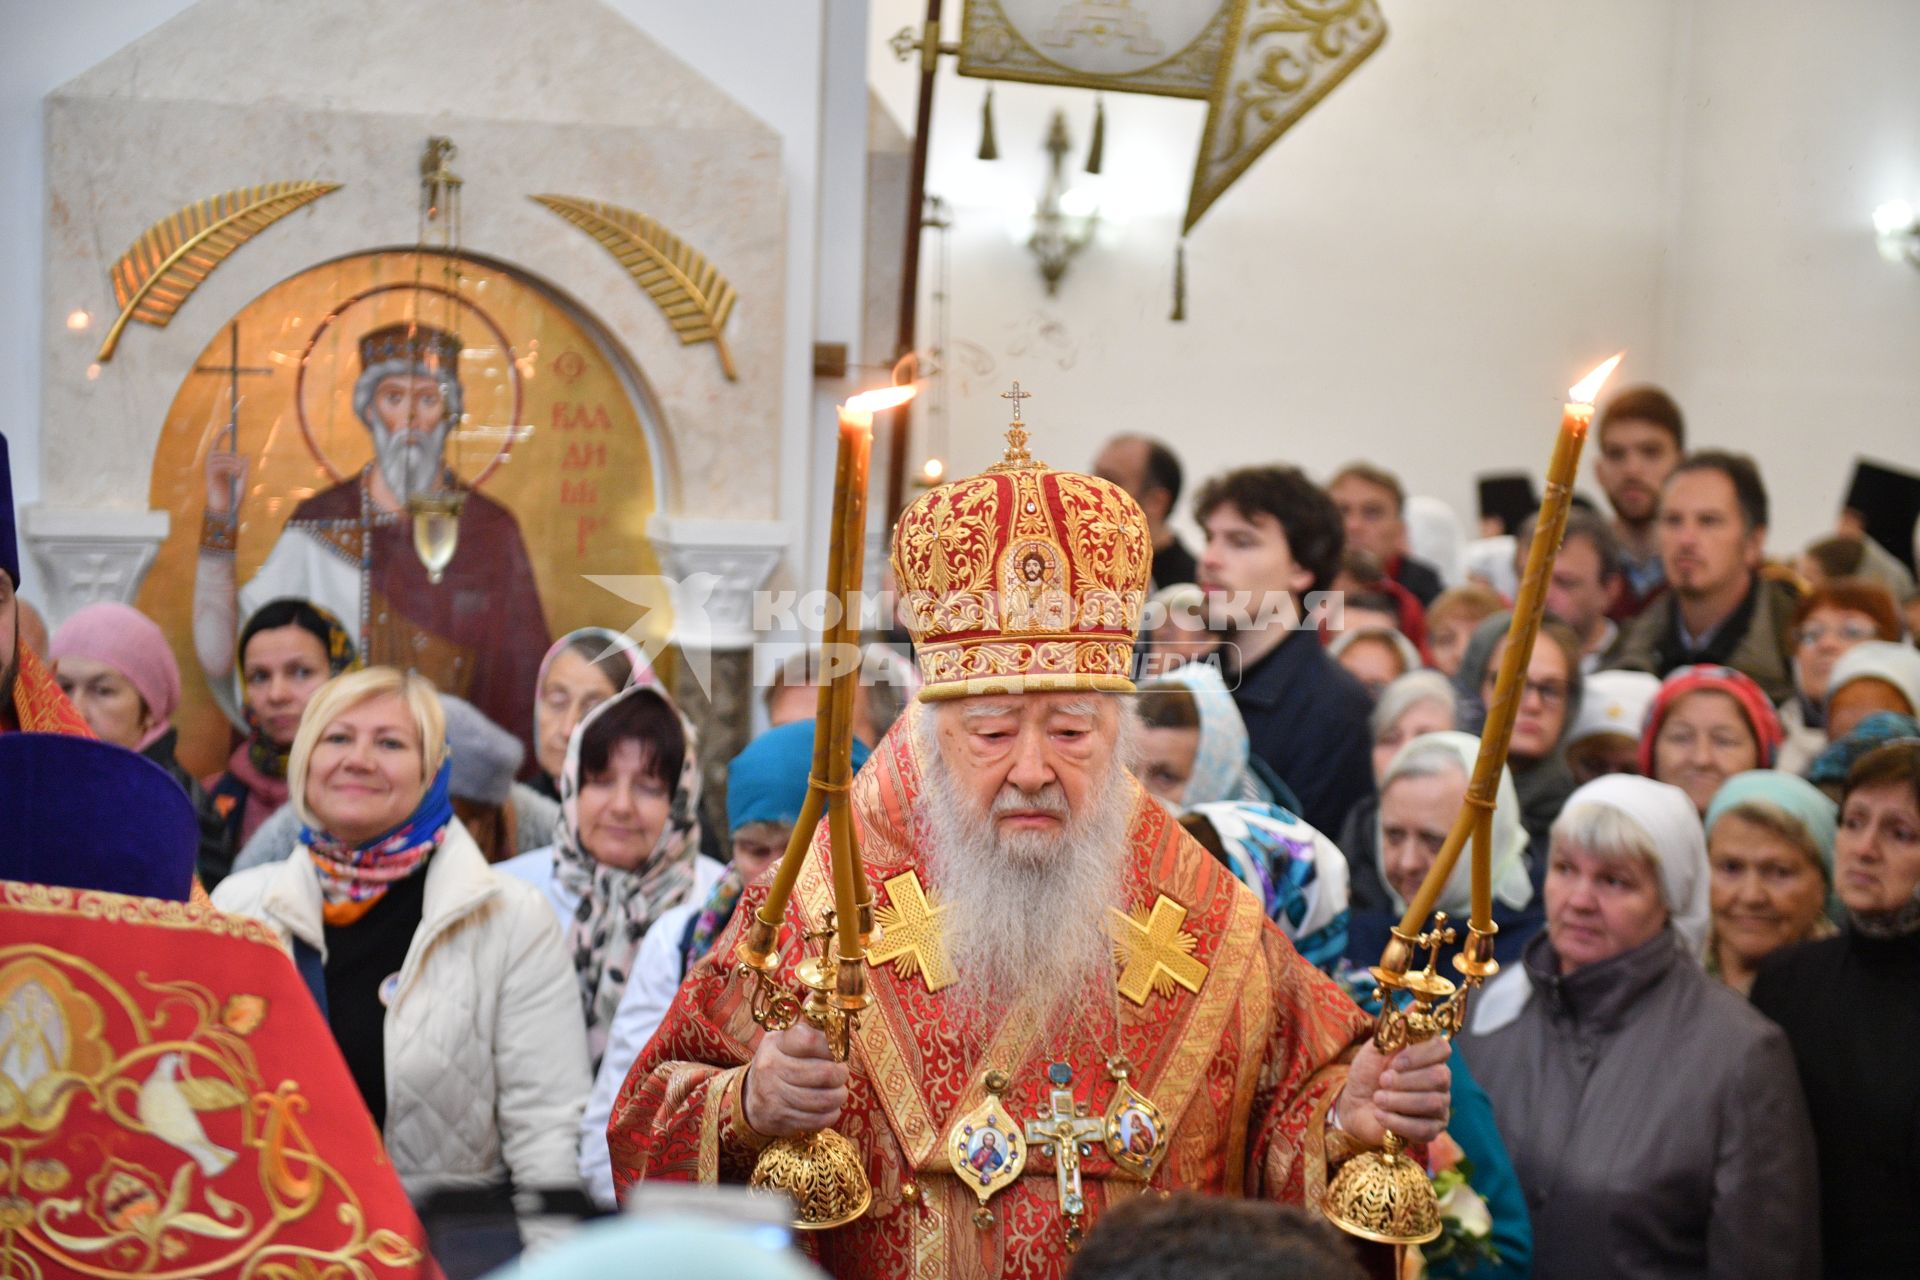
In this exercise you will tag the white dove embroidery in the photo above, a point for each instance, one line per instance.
(164, 1109)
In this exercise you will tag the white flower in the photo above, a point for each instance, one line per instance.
(1464, 1205)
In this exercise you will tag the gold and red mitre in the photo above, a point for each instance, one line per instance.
(1022, 578)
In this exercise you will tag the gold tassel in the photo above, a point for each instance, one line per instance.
(1179, 283)
(989, 149)
(1099, 144)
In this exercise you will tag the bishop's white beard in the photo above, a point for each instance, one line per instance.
(1026, 912)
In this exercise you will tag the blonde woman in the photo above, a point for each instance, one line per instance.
(444, 982)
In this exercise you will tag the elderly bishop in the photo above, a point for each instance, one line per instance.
(1072, 1003)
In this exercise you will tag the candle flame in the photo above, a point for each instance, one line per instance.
(1588, 388)
(884, 398)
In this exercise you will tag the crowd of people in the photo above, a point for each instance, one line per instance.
(1699, 1058)
(1706, 844)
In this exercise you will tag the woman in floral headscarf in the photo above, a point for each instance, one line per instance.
(1302, 878)
(627, 848)
(1299, 874)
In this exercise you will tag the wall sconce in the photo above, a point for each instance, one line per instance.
(1064, 220)
(1897, 228)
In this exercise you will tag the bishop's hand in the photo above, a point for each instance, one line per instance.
(793, 1085)
(1407, 1092)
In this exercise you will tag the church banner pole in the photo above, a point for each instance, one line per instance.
(910, 255)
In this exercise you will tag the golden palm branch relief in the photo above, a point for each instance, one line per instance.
(687, 288)
(166, 264)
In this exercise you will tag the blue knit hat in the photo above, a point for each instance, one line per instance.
(767, 781)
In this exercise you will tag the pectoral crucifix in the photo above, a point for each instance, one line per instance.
(1066, 1132)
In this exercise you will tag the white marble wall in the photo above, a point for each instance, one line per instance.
(567, 98)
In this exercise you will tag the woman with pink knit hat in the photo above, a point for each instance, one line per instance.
(115, 666)
(1708, 723)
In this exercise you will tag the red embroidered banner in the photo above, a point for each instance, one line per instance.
(172, 1105)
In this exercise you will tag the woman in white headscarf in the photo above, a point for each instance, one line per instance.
(1193, 744)
(1421, 793)
(1655, 1118)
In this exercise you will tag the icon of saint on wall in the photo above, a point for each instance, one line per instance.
(476, 629)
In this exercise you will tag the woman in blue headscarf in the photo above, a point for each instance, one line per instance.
(1770, 858)
(1193, 744)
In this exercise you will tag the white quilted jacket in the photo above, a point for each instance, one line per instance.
(486, 1047)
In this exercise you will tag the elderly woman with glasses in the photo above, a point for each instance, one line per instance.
(1654, 1117)
(1830, 619)
(1849, 1009)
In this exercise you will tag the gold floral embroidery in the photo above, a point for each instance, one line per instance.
(187, 1098)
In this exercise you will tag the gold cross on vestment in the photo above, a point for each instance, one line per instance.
(910, 934)
(1066, 1134)
(1153, 952)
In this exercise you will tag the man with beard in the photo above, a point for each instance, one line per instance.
(479, 633)
(1722, 609)
(1642, 437)
(29, 699)
(1056, 959)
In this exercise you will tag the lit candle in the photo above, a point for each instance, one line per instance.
(1529, 605)
(833, 718)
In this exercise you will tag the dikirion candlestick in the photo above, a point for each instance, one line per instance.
(1383, 1195)
(822, 1171)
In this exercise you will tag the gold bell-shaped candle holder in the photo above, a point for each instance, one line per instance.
(1385, 1196)
(822, 1172)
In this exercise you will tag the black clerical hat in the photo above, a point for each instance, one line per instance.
(90, 815)
(1509, 497)
(1887, 501)
(9, 544)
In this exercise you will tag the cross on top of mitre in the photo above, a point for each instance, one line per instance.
(1017, 455)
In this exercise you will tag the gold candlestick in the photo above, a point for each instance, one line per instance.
(1382, 1195)
(822, 1172)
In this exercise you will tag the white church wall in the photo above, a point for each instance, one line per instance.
(1790, 336)
(1506, 192)
(45, 46)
